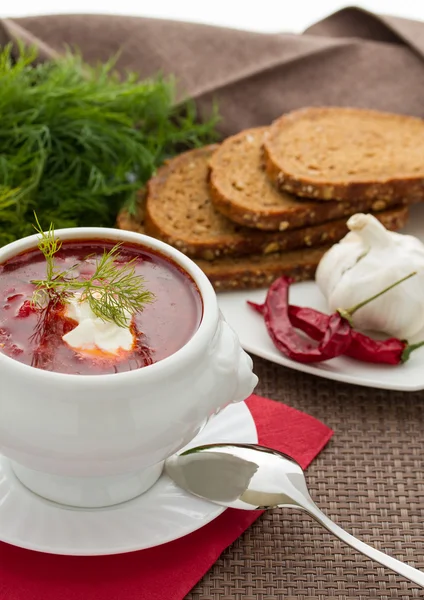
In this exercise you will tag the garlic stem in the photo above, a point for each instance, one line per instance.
(347, 313)
(370, 230)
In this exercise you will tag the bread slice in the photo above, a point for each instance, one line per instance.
(346, 153)
(179, 211)
(241, 190)
(250, 272)
(247, 272)
(259, 270)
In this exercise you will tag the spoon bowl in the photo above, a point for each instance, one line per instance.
(232, 476)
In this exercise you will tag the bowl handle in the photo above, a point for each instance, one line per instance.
(231, 360)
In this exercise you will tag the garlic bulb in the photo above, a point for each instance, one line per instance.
(367, 260)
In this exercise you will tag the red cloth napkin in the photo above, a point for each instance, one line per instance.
(166, 572)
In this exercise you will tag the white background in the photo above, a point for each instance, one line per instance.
(255, 15)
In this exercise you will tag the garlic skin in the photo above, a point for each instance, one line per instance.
(367, 260)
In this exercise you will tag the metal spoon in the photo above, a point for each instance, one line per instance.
(253, 477)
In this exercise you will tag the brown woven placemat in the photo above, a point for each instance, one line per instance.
(369, 479)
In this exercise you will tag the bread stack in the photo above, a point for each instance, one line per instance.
(271, 200)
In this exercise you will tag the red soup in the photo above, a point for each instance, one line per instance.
(35, 337)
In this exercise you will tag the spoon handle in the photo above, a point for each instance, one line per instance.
(395, 565)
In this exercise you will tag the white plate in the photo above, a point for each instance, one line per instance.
(254, 338)
(164, 513)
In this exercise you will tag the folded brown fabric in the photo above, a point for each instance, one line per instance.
(352, 58)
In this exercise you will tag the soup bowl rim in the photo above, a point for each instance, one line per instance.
(199, 341)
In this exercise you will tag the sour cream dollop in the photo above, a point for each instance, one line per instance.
(92, 334)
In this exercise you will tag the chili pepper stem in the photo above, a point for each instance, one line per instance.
(410, 348)
(347, 313)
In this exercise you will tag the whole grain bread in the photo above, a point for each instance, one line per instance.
(250, 272)
(347, 153)
(241, 190)
(247, 272)
(179, 211)
(259, 270)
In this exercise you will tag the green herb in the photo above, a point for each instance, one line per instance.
(77, 142)
(112, 292)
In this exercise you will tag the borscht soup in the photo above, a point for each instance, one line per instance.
(61, 332)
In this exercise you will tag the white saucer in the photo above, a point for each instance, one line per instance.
(164, 513)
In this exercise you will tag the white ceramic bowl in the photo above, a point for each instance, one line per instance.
(98, 440)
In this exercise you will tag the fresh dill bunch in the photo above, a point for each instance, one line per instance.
(114, 293)
(77, 142)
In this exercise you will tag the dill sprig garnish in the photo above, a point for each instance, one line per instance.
(48, 245)
(77, 142)
(114, 293)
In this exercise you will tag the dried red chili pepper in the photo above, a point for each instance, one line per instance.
(314, 323)
(287, 340)
(258, 307)
(389, 351)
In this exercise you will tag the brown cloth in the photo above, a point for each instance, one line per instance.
(370, 477)
(352, 58)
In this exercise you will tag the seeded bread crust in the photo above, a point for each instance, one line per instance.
(257, 271)
(248, 272)
(241, 190)
(179, 212)
(253, 272)
(345, 153)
